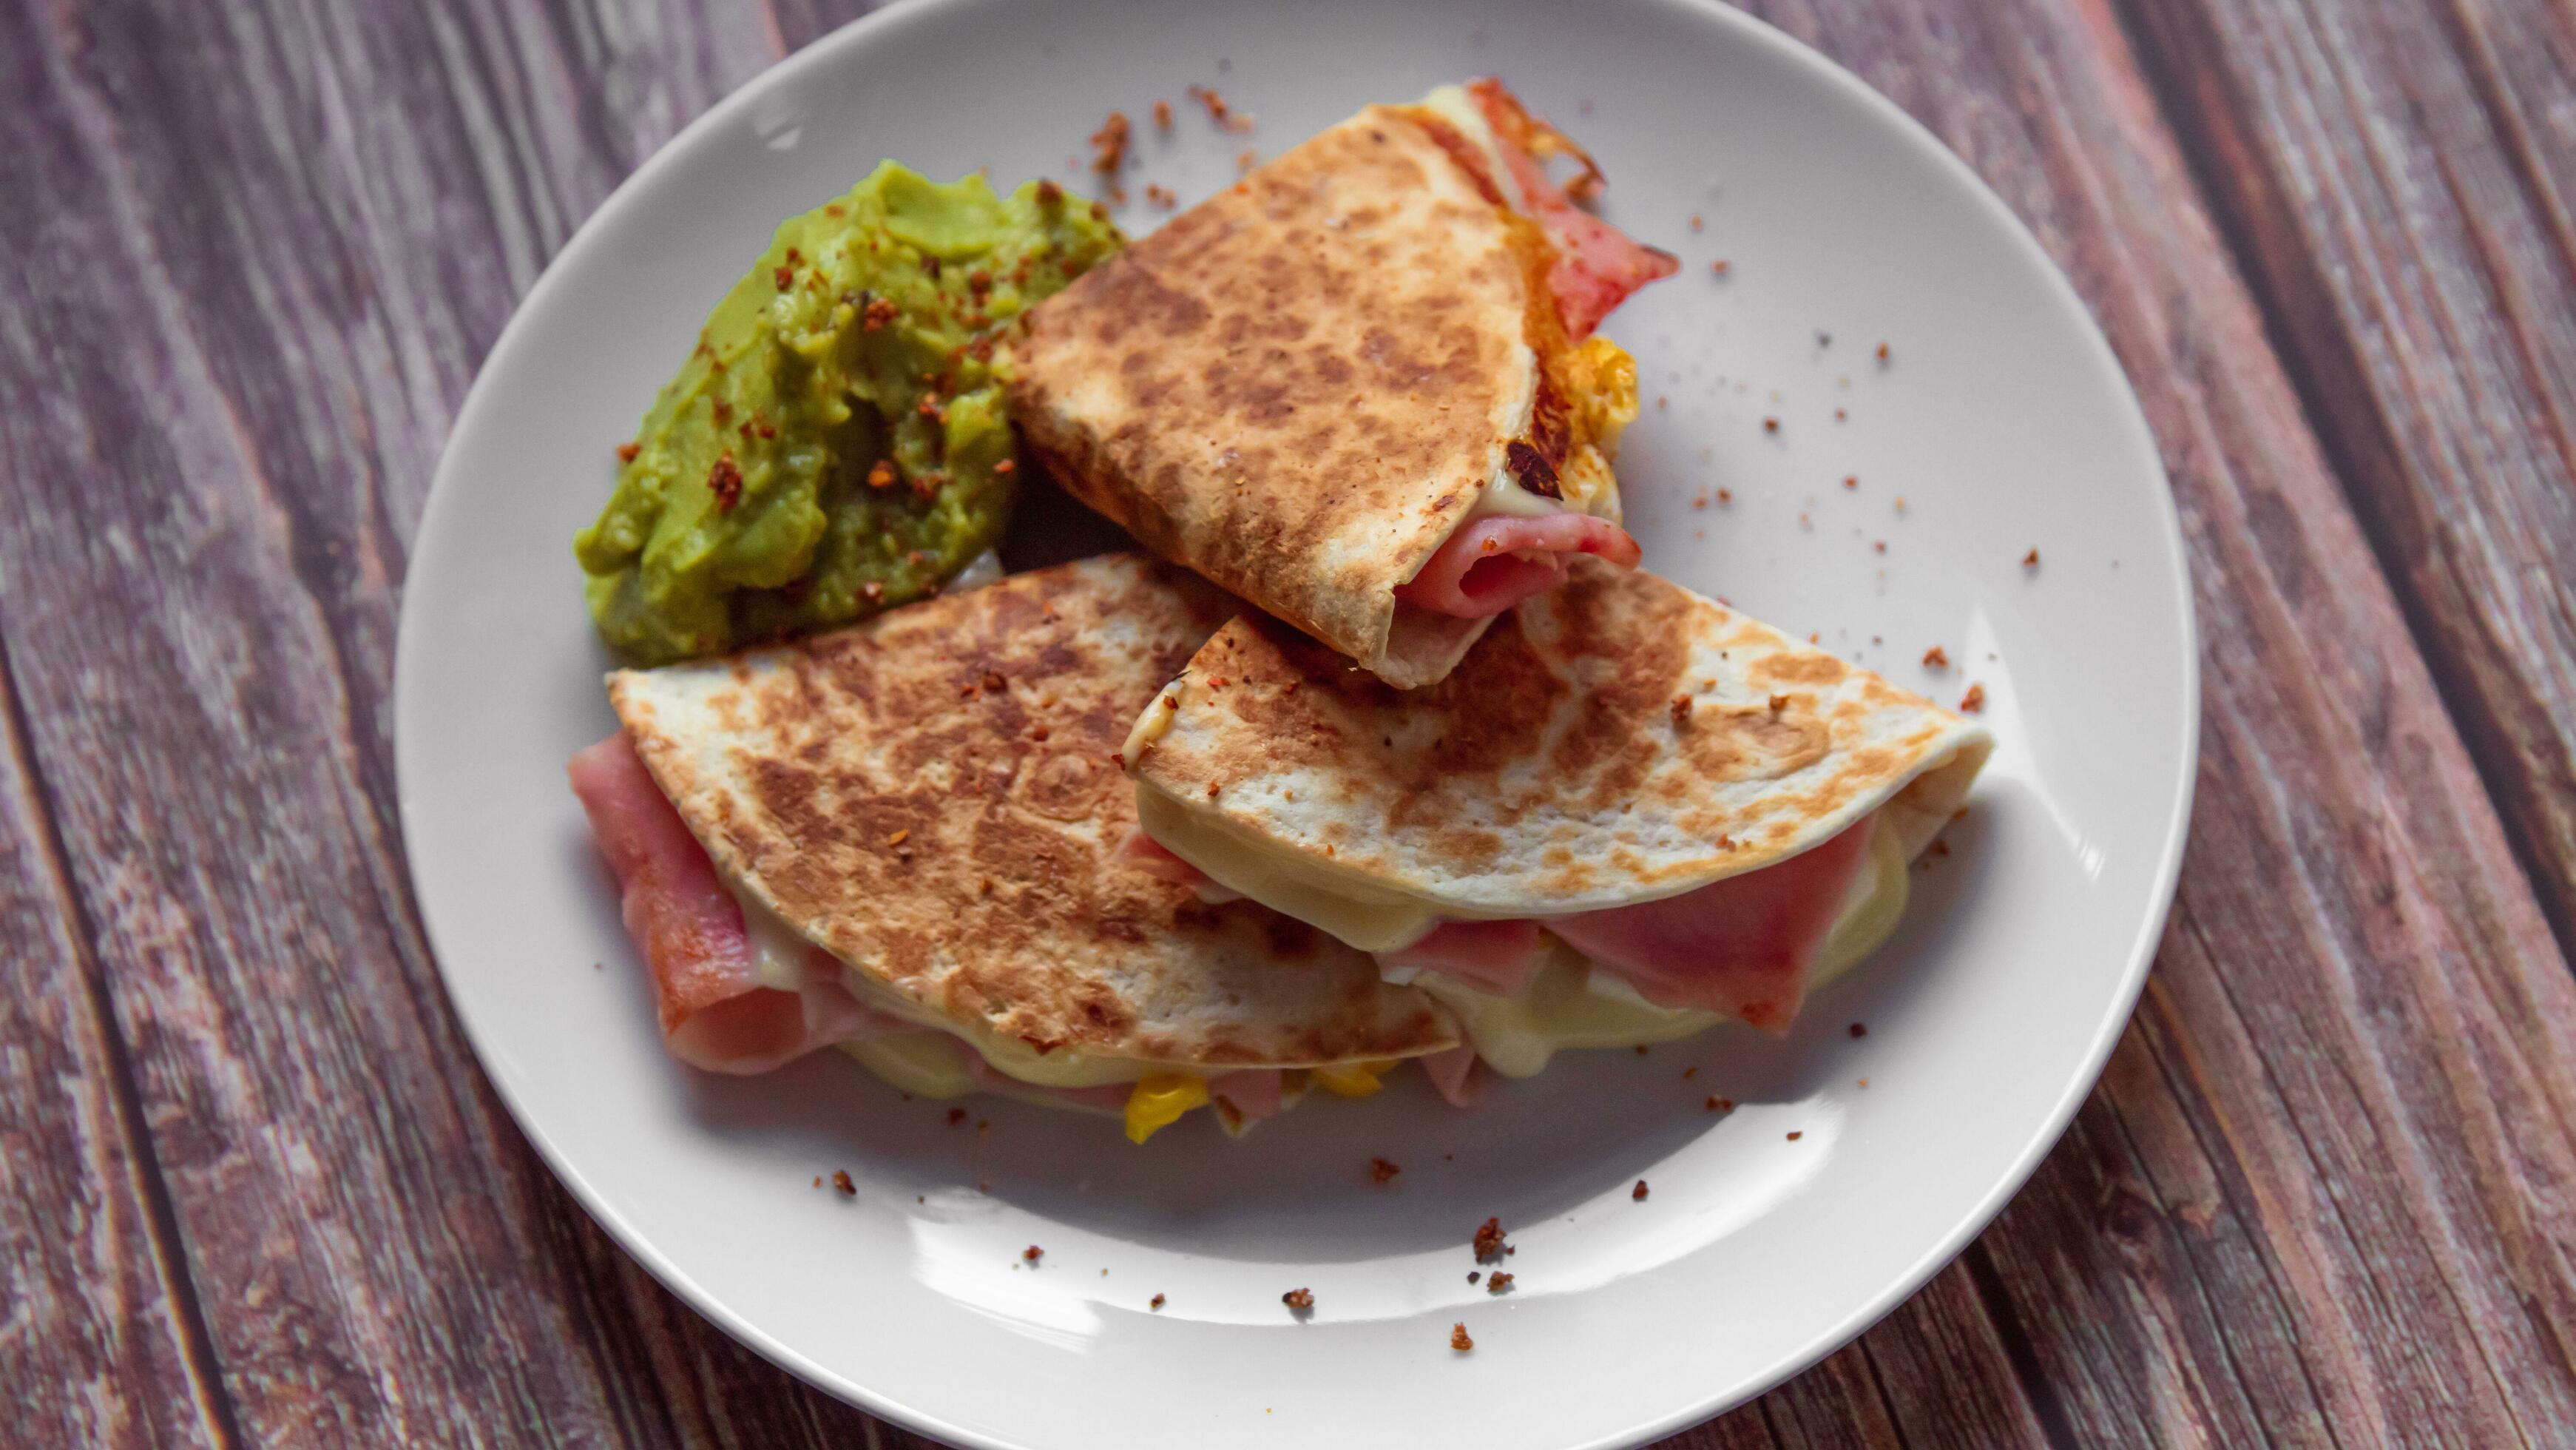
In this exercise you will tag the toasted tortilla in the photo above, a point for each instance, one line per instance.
(1620, 740)
(933, 797)
(1303, 386)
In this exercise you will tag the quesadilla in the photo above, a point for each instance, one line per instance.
(1360, 388)
(1628, 813)
(903, 839)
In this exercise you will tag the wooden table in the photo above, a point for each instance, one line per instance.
(254, 1189)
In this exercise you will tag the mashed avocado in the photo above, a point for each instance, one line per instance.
(836, 444)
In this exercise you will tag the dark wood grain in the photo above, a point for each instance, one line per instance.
(89, 1296)
(2397, 175)
(2323, 1195)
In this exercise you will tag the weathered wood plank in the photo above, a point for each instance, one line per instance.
(284, 235)
(95, 1316)
(2335, 1207)
(2396, 174)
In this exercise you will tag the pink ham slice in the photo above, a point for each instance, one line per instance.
(1495, 562)
(1596, 266)
(1457, 1074)
(1157, 860)
(1742, 946)
(716, 1013)
(1490, 956)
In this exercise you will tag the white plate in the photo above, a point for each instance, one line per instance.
(2002, 420)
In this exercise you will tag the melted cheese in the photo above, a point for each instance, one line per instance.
(1570, 1004)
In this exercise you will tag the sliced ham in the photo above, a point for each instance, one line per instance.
(1597, 266)
(1496, 561)
(1253, 1092)
(1156, 859)
(716, 1013)
(1742, 946)
(1490, 956)
(1457, 1074)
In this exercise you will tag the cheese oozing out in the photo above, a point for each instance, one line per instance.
(1568, 1002)
(937, 1062)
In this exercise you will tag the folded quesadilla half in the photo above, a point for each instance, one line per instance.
(1360, 388)
(903, 839)
(1628, 813)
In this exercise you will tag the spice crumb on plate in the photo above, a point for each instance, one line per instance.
(1489, 1240)
(1381, 1170)
(1639, 1192)
(1498, 1284)
(1154, 1303)
(1300, 1299)
(1033, 1253)
(842, 1185)
(1458, 1339)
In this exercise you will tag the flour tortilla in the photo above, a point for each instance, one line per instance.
(932, 797)
(1555, 770)
(1302, 387)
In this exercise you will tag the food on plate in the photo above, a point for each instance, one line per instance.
(905, 840)
(1630, 812)
(836, 442)
(1360, 388)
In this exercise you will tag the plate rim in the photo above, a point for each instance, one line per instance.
(826, 51)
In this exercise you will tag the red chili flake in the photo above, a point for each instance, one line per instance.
(1974, 700)
(723, 412)
(1381, 1170)
(626, 452)
(1037, 732)
(1298, 1299)
(1794, 1137)
(725, 479)
(1458, 1339)
(842, 1185)
(1033, 1253)
(877, 313)
(1109, 144)
(1639, 1192)
(1005, 468)
(1048, 192)
(1225, 116)
(1936, 658)
(785, 277)
(1721, 1105)
(1154, 1303)
(881, 473)
(1118, 758)
(956, 1116)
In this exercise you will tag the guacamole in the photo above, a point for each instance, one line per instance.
(836, 443)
